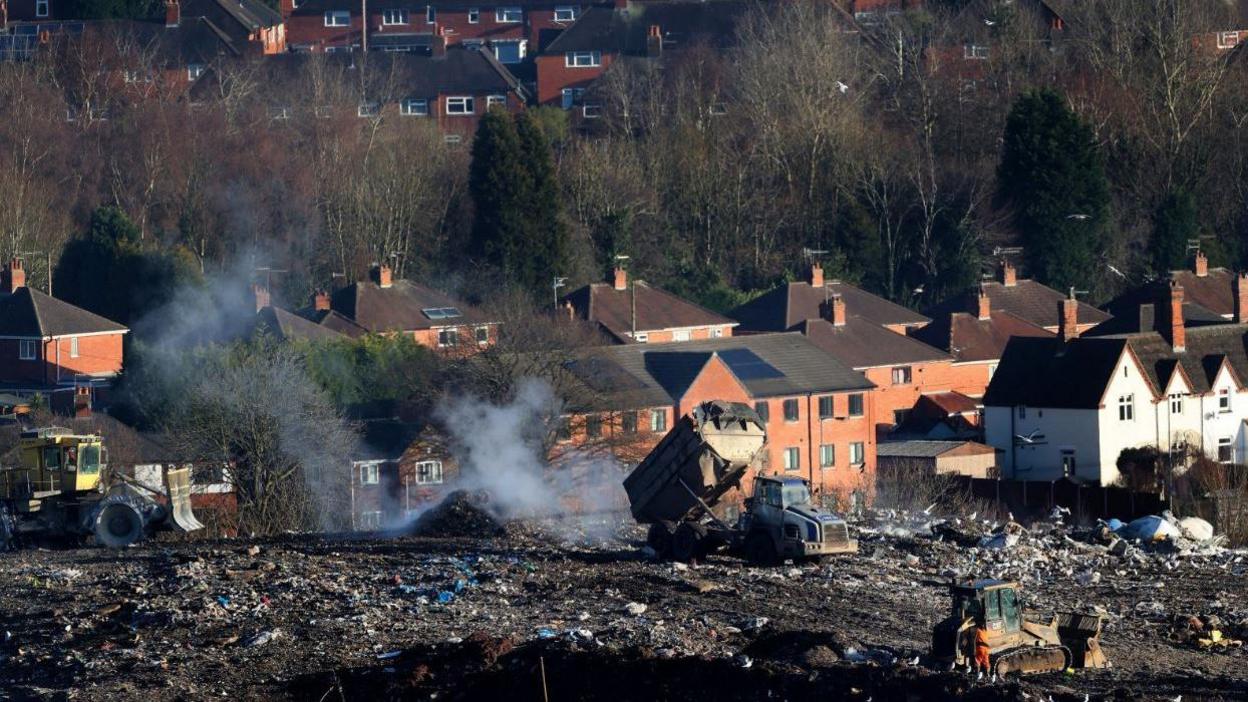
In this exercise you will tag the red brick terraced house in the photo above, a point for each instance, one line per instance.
(1211, 295)
(818, 412)
(50, 347)
(1029, 300)
(382, 305)
(632, 311)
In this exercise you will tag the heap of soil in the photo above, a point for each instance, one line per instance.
(461, 514)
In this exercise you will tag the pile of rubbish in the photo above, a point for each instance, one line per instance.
(462, 514)
(1203, 632)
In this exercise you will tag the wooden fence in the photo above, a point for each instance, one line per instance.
(1087, 503)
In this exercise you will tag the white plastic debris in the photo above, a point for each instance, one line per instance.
(635, 608)
(263, 638)
(1196, 528)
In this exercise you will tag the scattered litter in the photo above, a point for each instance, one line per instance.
(635, 608)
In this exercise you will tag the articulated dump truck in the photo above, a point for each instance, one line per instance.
(705, 455)
(63, 488)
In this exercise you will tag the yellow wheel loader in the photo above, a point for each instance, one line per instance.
(63, 488)
(1016, 644)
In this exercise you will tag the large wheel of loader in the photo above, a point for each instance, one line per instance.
(760, 549)
(118, 525)
(687, 543)
(659, 538)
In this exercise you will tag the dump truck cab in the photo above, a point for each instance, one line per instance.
(781, 512)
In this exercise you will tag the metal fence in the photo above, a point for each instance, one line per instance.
(1087, 503)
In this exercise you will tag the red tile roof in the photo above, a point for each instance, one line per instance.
(969, 338)
(861, 344)
(782, 308)
(656, 309)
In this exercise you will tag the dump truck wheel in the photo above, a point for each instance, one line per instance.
(118, 525)
(659, 538)
(687, 543)
(760, 550)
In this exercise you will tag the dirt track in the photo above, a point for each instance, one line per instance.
(318, 618)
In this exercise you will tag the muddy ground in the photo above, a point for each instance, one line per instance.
(527, 615)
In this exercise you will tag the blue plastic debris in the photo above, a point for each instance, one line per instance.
(223, 600)
(445, 597)
(544, 633)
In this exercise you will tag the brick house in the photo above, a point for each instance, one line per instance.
(49, 346)
(818, 412)
(1026, 299)
(398, 469)
(382, 305)
(632, 311)
(1209, 295)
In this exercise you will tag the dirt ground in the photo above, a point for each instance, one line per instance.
(543, 611)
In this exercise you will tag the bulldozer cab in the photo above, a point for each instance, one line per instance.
(993, 603)
(54, 461)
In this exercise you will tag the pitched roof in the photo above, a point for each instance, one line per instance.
(784, 307)
(1033, 373)
(1206, 349)
(237, 19)
(289, 326)
(950, 402)
(1027, 299)
(30, 313)
(970, 338)
(624, 30)
(403, 306)
(926, 448)
(860, 343)
(316, 7)
(656, 309)
(767, 365)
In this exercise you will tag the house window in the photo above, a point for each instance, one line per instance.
(827, 456)
(337, 18)
(474, 15)
(1176, 403)
(855, 405)
(658, 420)
(901, 375)
(27, 349)
(566, 13)
(1226, 40)
(394, 16)
(429, 473)
(717, 332)
(370, 474)
(593, 426)
(495, 101)
(825, 407)
(368, 109)
(73, 347)
(1225, 453)
(641, 337)
(483, 335)
(510, 51)
(370, 520)
(1126, 408)
(857, 453)
(194, 71)
(792, 458)
(791, 411)
(974, 52)
(570, 97)
(900, 416)
(1068, 462)
(344, 49)
(508, 15)
(448, 337)
(460, 106)
(681, 335)
(764, 410)
(42, 8)
(628, 423)
(431, 15)
(453, 139)
(592, 111)
(1224, 400)
(414, 107)
(582, 59)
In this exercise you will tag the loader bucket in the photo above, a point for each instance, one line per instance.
(1081, 633)
(178, 488)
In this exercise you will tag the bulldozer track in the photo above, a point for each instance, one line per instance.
(1032, 659)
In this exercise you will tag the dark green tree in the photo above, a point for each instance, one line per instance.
(547, 230)
(1052, 176)
(499, 181)
(1173, 225)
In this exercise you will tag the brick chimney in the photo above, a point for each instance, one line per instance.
(1177, 333)
(82, 401)
(654, 41)
(1009, 276)
(569, 310)
(437, 47)
(833, 310)
(1202, 264)
(380, 274)
(320, 301)
(261, 293)
(620, 280)
(286, 8)
(1068, 318)
(1240, 287)
(983, 304)
(816, 275)
(173, 13)
(14, 276)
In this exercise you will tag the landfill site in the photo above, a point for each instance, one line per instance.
(665, 599)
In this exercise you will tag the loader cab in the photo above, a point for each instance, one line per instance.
(54, 461)
(995, 603)
(781, 493)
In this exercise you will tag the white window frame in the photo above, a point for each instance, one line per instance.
(466, 103)
(975, 52)
(73, 347)
(791, 458)
(414, 107)
(368, 109)
(492, 100)
(482, 335)
(905, 373)
(521, 44)
(1228, 444)
(582, 59)
(27, 350)
(43, 8)
(433, 471)
(1176, 403)
(1126, 408)
(474, 15)
(369, 520)
(641, 337)
(502, 15)
(332, 18)
(717, 333)
(570, 97)
(394, 16)
(448, 337)
(1228, 40)
(194, 71)
(859, 448)
(370, 473)
(658, 420)
(1224, 400)
(827, 455)
(569, 13)
(592, 110)
(431, 14)
(681, 335)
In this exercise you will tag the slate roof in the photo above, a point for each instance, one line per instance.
(1027, 300)
(334, 321)
(920, 448)
(624, 30)
(1206, 298)
(399, 307)
(970, 338)
(1206, 348)
(194, 40)
(289, 326)
(650, 375)
(1137, 311)
(1033, 374)
(656, 309)
(317, 7)
(30, 313)
(237, 19)
(782, 308)
(861, 344)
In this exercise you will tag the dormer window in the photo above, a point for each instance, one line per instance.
(583, 59)
(1224, 400)
(566, 13)
(393, 17)
(474, 15)
(508, 15)
(337, 18)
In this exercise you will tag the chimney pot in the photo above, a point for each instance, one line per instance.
(654, 41)
(621, 279)
(1202, 264)
(1174, 318)
(14, 276)
(380, 274)
(1009, 276)
(320, 301)
(173, 13)
(816, 275)
(82, 401)
(983, 304)
(833, 310)
(1241, 298)
(1068, 319)
(261, 293)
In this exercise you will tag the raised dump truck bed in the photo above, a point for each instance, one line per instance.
(704, 456)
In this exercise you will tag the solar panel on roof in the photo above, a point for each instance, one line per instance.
(746, 365)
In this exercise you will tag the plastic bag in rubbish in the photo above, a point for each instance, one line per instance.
(1196, 528)
(1151, 528)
